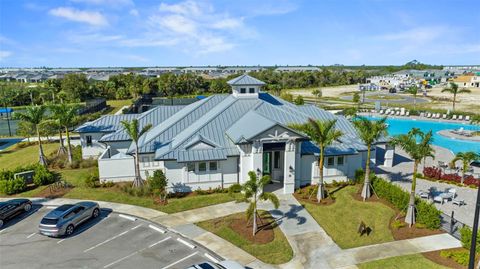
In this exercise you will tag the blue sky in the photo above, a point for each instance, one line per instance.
(75, 33)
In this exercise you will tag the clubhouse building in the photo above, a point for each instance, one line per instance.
(216, 141)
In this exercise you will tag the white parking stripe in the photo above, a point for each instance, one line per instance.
(31, 235)
(161, 241)
(181, 260)
(127, 217)
(211, 258)
(60, 241)
(186, 243)
(106, 241)
(128, 256)
(136, 226)
(157, 229)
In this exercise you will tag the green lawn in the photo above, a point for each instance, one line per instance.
(342, 218)
(277, 251)
(416, 261)
(12, 157)
(118, 104)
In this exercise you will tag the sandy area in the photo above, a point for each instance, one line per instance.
(335, 91)
(466, 101)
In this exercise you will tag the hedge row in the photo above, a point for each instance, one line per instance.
(435, 173)
(426, 213)
(9, 185)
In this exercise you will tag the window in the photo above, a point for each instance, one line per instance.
(202, 167)
(191, 167)
(213, 166)
(340, 160)
(251, 90)
(89, 140)
(276, 159)
(243, 90)
(330, 161)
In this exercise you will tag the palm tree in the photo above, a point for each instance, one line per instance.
(369, 132)
(414, 91)
(65, 116)
(322, 133)
(318, 94)
(35, 115)
(133, 130)
(466, 158)
(453, 89)
(417, 151)
(253, 191)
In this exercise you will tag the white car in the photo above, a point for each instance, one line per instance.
(220, 265)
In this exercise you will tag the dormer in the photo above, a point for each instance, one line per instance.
(245, 86)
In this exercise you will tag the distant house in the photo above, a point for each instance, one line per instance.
(242, 69)
(201, 70)
(297, 69)
(467, 81)
(216, 141)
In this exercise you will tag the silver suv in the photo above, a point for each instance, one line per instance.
(64, 219)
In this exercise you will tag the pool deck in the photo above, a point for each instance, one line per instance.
(370, 114)
(401, 174)
(450, 134)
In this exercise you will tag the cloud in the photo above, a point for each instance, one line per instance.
(94, 18)
(4, 54)
(133, 12)
(417, 35)
(93, 38)
(106, 2)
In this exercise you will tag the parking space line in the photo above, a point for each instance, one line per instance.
(106, 241)
(186, 243)
(31, 235)
(156, 229)
(211, 258)
(127, 217)
(136, 227)
(181, 260)
(159, 242)
(60, 241)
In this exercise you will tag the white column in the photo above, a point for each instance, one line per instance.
(257, 157)
(389, 155)
(289, 168)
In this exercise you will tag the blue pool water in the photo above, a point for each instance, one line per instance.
(402, 126)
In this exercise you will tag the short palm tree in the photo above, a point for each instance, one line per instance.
(318, 94)
(417, 151)
(453, 89)
(323, 134)
(253, 191)
(413, 90)
(65, 116)
(466, 158)
(35, 115)
(370, 132)
(134, 131)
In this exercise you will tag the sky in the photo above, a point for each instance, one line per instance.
(108, 33)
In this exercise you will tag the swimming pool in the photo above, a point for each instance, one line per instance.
(402, 126)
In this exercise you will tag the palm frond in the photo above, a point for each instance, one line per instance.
(268, 196)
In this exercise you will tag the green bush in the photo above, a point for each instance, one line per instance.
(397, 224)
(426, 213)
(43, 176)
(235, 188)
(92, 181)
(461, 257)
(466, 238)
(12, 186)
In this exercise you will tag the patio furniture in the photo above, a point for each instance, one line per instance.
(407, 113)
(424, 194)
(454, 117)
(440, 198)
(458, 202)
(381, 111)
(460, 117)
(444, 116)
(422, 114)
(428, 115)
(467, 118)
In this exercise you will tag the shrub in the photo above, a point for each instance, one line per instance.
(397, 224)
(427, 214)
(93, 180)
(43, 176)
(466, 238)
(434, 173)
(460, 257)
(235, 188)
(12, 186)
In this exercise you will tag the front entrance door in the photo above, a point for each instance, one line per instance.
(267, 163)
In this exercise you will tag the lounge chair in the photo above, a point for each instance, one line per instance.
(381, 111)
(422, 114)
(398, 113)
(467, 118)
(458, 202)
(407, 113)
(424, 194)
(460, 117)
(429, 115)
(444, 116)
(454, 117)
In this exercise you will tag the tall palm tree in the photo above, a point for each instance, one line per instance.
(369, 132)
(466, 158)
(65, 116)
(318, 94)
(453, 89)
(134, 131)
(35, 115)
(417, 151)
(253, 192)
(323, 134)
(414, 91)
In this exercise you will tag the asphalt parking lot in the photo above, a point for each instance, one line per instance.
(110, 241)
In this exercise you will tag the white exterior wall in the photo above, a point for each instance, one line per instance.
(95, 149)
(116, 170)
(121, 146)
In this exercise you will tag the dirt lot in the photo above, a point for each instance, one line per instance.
(335, 91)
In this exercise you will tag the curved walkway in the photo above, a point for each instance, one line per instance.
(312, 247)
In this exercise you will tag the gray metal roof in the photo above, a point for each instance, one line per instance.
(245, 80)
(105, 124)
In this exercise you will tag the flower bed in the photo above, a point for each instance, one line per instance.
(436, 174)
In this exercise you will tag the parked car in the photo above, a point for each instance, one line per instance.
(12, 208)
(64, 219)
(220, 265)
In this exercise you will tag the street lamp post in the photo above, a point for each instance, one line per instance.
(473, 245)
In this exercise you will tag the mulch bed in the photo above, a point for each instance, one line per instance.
(402, 232)
(435, 257)
(244, 229)
(53, 193)
(302, 198)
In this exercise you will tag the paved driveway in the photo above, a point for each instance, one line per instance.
(111, 241)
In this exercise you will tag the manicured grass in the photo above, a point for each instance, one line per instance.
(416, 261)
(277, 251)
(118, 104)
(13, 157)
(342, 219)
